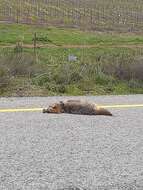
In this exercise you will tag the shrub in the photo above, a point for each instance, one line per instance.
(67, 74)
(104, 79)
(137, 70)
(4, 77)
(73, 90)
(41, 79)
(135, 84)
(55, 88)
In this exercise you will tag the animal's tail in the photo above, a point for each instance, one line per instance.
(103, 111)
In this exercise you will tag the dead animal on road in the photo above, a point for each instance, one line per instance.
(77, 107)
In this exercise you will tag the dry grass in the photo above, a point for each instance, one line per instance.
(103, 15)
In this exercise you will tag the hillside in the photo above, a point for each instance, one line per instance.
(105, 64)
(102, 15)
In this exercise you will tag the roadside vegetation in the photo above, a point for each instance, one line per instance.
(112, 65)
(107, 67)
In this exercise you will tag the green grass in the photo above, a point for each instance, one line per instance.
(11, 33)
(98, 70)
(54, 75)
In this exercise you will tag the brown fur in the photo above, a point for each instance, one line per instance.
(76, 107)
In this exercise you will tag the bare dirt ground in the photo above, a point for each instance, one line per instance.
(74, 46)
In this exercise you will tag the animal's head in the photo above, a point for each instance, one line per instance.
(55, 108)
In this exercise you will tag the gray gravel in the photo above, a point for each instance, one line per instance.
(73, 152)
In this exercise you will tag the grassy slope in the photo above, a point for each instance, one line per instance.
(11, 33)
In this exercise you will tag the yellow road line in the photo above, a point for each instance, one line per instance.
(21, 110)
(40, 109)
(123, 106)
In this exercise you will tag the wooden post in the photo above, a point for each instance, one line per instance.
(35, 46)
(35, 42)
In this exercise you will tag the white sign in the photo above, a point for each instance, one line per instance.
(72, 58)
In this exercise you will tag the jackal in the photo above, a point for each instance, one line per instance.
(76, 107)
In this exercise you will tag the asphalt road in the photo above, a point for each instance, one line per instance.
(51, 152)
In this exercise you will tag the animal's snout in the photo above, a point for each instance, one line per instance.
(50, 109)
(44, 110)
